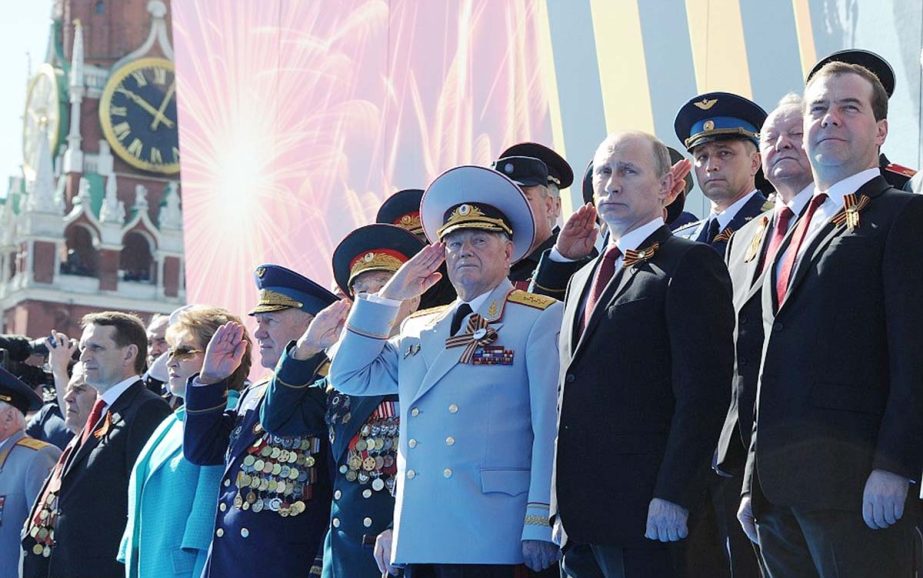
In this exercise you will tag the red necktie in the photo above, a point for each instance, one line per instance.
(791, 256)
(783, 219)
(604, 274)
(94, 416)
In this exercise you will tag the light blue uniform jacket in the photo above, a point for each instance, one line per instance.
(477, 441)
(171, 507)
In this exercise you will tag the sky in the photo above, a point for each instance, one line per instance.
(22, 31)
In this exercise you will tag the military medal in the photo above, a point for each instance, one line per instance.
(478, 334)
(849, 214)
(754, 249)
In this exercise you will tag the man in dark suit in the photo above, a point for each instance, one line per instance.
(838, 434)
(721, 132)
(77, 522)
(789, 171)
(646, 362)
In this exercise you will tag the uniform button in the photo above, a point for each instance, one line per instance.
(219, 532)
(244, 532)
(412, 443)
(337, 494)
(415, 412)
(335, 522)
(367, 522)
(447, 472)
(227, 482)
(569, 378)
(222, 506)
(411, 474)
(366, 493)
(450, 441)
(453, 408)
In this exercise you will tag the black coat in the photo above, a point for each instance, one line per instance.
(840, 386)
(643, 391)
(93, 498)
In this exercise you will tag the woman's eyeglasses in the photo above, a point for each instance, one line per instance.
(182, 352)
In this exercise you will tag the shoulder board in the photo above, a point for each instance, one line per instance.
(687, 227)
(531, 299)
(901, 170)
(430, 311)
(32, 443)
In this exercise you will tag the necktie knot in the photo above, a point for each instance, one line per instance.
(463, 311)
(612, 254)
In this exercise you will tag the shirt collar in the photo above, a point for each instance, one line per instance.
(479, 300)
(798, 202)
(726, 216)
(632, 239)
(851, 184)
(114, 392)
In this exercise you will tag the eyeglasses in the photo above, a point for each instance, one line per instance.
(182, 353)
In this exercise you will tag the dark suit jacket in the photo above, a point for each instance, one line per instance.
(93, 499)
(643, 391)
(840, 386)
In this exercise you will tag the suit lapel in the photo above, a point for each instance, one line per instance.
(750, 274)
(574, 307)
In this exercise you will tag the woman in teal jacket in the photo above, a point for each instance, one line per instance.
(171, 502)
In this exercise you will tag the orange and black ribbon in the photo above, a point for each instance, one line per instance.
(724, 235)
(849, 214)
(633, 257)
(477, 334)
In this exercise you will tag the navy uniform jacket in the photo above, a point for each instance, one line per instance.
(751, 209)
(363, 434)
(92, 502)
(24, 465)
(522, 271)
(475, 453)
(274, 499)
(839, 391)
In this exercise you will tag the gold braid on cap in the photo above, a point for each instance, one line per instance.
(410, 222)
(273, 299)
(379, 260)
(471, 217)
(5, 398)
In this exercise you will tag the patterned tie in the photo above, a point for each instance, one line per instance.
(604, 274)
(783, 219)
(791, 255)
(463, 311)
(94, 416)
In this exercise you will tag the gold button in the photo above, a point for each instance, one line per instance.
(450, 441)
(337, 494)
(244, 532)
(411, 474)
(222, 506)
(453, 408)
(366, 493)
(367, 522)
(447, 472)
(412, 443)
(335, 522)
(415, 412)
(227, 482)
(219, 532)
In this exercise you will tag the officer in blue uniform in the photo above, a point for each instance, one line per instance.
(363, 430)
(274, 502)
(402, 209)
(721, 132)
(24, 465)
(897, 176)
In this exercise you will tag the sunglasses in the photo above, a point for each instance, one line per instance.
(182, 352)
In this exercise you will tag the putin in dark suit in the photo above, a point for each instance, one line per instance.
(646, 363)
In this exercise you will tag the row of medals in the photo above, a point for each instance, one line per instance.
(277, 474)
(43, 533)
(371, 457)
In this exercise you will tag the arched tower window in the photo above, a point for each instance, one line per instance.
(81, 257)
(136, 263)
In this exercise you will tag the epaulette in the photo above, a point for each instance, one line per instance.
(32, 443)
(430, 311)
(901, 170)
(531, 299)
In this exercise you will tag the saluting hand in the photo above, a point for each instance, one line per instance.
(577, 238)
(679, 172)
(323, 331)
(416, 275)
(666, 521)
(223, 353)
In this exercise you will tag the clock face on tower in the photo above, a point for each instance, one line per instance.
(137, 111)
(42, 116)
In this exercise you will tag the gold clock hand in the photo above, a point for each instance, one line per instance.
(144, 104)
(159, 117)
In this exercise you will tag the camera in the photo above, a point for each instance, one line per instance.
(15, 350)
